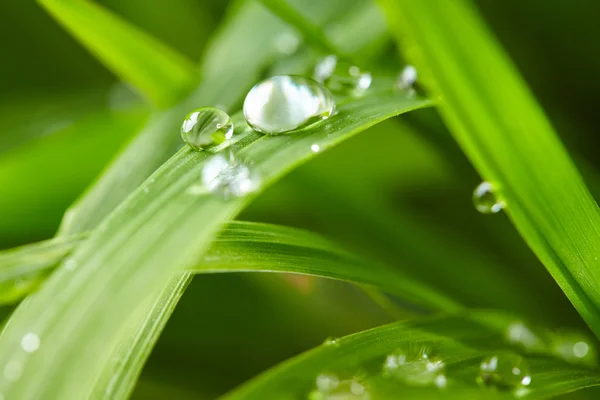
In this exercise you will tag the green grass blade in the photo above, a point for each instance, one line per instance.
(504, 132)
(132, 254)
(311, 31)
(239, 247)
(156, 70)
(461, 341)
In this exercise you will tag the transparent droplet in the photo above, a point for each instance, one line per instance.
(485, 199)
(407, 77)
(287, 43)
(30, 342)
(206, 126)
(505, 370)
(342, 77)
(574, 347)
(416, 364)
(229, 177)
(331, 341)
(284, 103)
(333, 387)
(518, 333)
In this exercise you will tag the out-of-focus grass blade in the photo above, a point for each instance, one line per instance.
(461, 342)
(504, 132)
(239, 247)
(160, 230)
(312, 32)
(156, 70)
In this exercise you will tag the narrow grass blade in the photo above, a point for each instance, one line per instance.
(461, 342)
(497, 122)
(156, 70)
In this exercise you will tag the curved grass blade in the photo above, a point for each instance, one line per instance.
(239, 247)
(504, 132)
(461, 341)
(156, 70)
(158, 231)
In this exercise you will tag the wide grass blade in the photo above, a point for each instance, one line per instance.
(460, 341)
(239, 247)
(156, 70)
(497, 122)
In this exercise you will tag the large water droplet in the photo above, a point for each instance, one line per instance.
(284, 103)
(342, 77)
(206, 126)
(574, 347)
(505, 370)
(229, 177)
(485, 199)
(407, 77)
(416, 365)
(30, 342)
(332, 387)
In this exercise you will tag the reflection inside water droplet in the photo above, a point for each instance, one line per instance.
(416, 364)
(285, 103)
(331, 341)
(505, 370)
(485, 199)
(206, 126)
(342, 77)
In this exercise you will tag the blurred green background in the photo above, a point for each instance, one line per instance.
(63, 117)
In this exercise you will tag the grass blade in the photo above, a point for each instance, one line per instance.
(501, 128)
(461, 342)
(156, 70)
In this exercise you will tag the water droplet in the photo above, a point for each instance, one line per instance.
(342, 77)
(332, 387)
(505, 370)
(206, 126)
(229, 177)
(30, 342)
(518, 333)
(574, 347)
(407, 77)
(13, 370)
(331, 341)
(287, 43)
(284, 103)
(417, 364)
(315, 148)
(485, 200)
(70, 264)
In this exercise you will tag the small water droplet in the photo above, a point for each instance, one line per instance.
(331, 341)
(416, 364)
(574, 347)
(13, 370)
(518, 333)
(485, 199)
(287, 43)
(407, 77)
(342, 77)
(505, 370)
(333, 387)
(30, 342)
(228, 177)
(70, 264)
(315, 148)
(206, 126)
(284, 103)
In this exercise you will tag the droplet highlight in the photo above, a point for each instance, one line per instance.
(505, 370)
(285, 103)
(407, 77)
(229, 177)
(485, 199)
(30, 342)
(331, 341)
(332, 387)
(416, 365)
(342, 77)
(206, 126)
(574, 347)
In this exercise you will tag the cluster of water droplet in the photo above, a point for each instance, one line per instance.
(342, 77)
(505, 370)
(330, 386)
